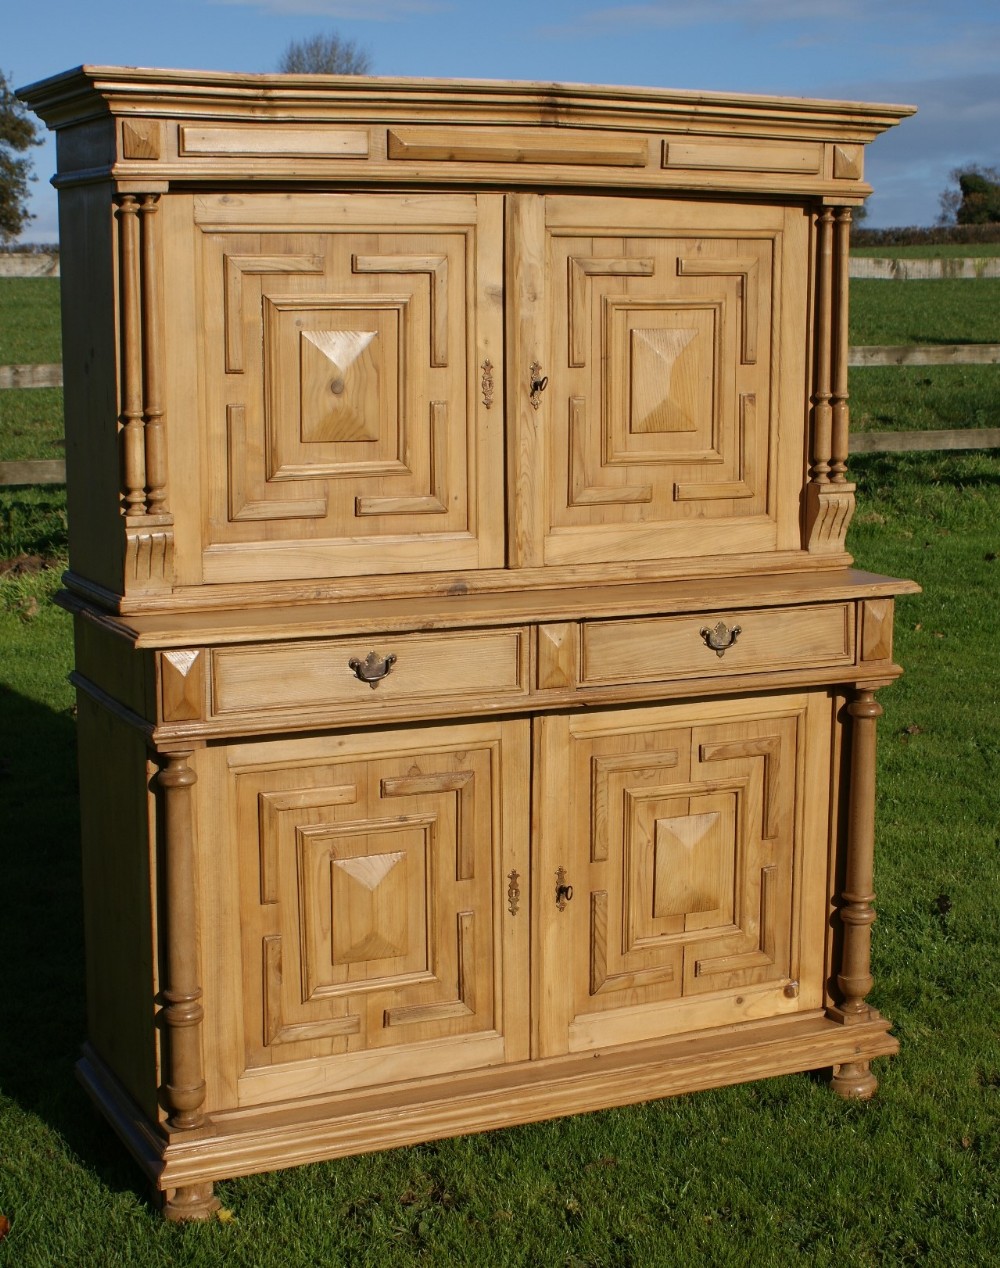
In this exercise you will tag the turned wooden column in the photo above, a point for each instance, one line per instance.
(183, 1089)
(131, 417)
(152, 358)
(857, 913)
(840, 412)
(829, 495)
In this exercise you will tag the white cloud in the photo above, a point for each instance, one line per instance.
(348, 10)
(672, 13)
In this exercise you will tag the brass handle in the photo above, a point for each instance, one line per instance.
(720, 637)
(538, 384)
(373, 668)
(564, 892)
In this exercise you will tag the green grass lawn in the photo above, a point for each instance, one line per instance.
(959, 250)
(29, 321)
(775, 1173)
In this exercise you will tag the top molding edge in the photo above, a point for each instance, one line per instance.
(93, 91)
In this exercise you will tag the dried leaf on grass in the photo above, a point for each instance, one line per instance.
(4, 1227)
(21, 566)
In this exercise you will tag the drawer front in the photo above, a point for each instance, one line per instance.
(394, 670)
(707, 644)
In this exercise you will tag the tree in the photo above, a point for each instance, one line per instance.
(325, 55)
(18, 133)
(977, 199)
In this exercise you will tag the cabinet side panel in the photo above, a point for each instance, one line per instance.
(117, 888)
(86, 233)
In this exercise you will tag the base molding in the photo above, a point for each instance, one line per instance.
(244, 1142)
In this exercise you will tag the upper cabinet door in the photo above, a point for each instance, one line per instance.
(667, 362)
(345, 426)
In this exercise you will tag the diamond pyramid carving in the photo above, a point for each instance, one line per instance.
(664, 391)
(688, 864)
(370, 909)
(339, 381)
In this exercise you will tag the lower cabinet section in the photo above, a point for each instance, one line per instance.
(392, 911)
(396, 934)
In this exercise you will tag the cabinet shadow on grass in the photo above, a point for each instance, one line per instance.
(42, 977)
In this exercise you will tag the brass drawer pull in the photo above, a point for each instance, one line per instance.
(720, 637)
(373, 668)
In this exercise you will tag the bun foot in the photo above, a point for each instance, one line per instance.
(190, 1202)
(854, 1081)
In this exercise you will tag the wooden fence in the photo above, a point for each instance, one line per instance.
(29, 264)
(54, 471)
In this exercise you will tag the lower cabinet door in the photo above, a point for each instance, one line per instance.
(375, 926)
(682, 864)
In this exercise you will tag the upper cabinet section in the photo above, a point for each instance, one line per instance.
(154, 125)
(330, 334)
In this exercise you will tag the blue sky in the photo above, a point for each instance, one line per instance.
(942, 57)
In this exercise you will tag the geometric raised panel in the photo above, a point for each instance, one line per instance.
(256, 499)
(582, 490)
(436, 268)
(464, 1004)
(745, 269)
(677, 825)
(141, 139)
(335, 368)
(362, 891)
(581, 270)
(610, 776)
(684, 855)
(722, 487)
(657, 436)
(463, 784)
(767, 747)
(368, 880)
(663, 399)
(762, 956)
(435, 501)
(235, 267)
(339, 396)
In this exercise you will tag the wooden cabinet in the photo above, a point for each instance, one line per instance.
(476, 696)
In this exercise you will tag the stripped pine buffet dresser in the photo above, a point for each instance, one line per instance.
(476, 698)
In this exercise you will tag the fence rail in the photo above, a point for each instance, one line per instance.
(31, 375)
(925, 354)
(891, 269)
(29, 263)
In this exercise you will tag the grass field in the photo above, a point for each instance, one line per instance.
(971, 250)
(774, 1173)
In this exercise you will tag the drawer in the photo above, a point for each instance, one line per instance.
(318, 674)
(656, 648)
